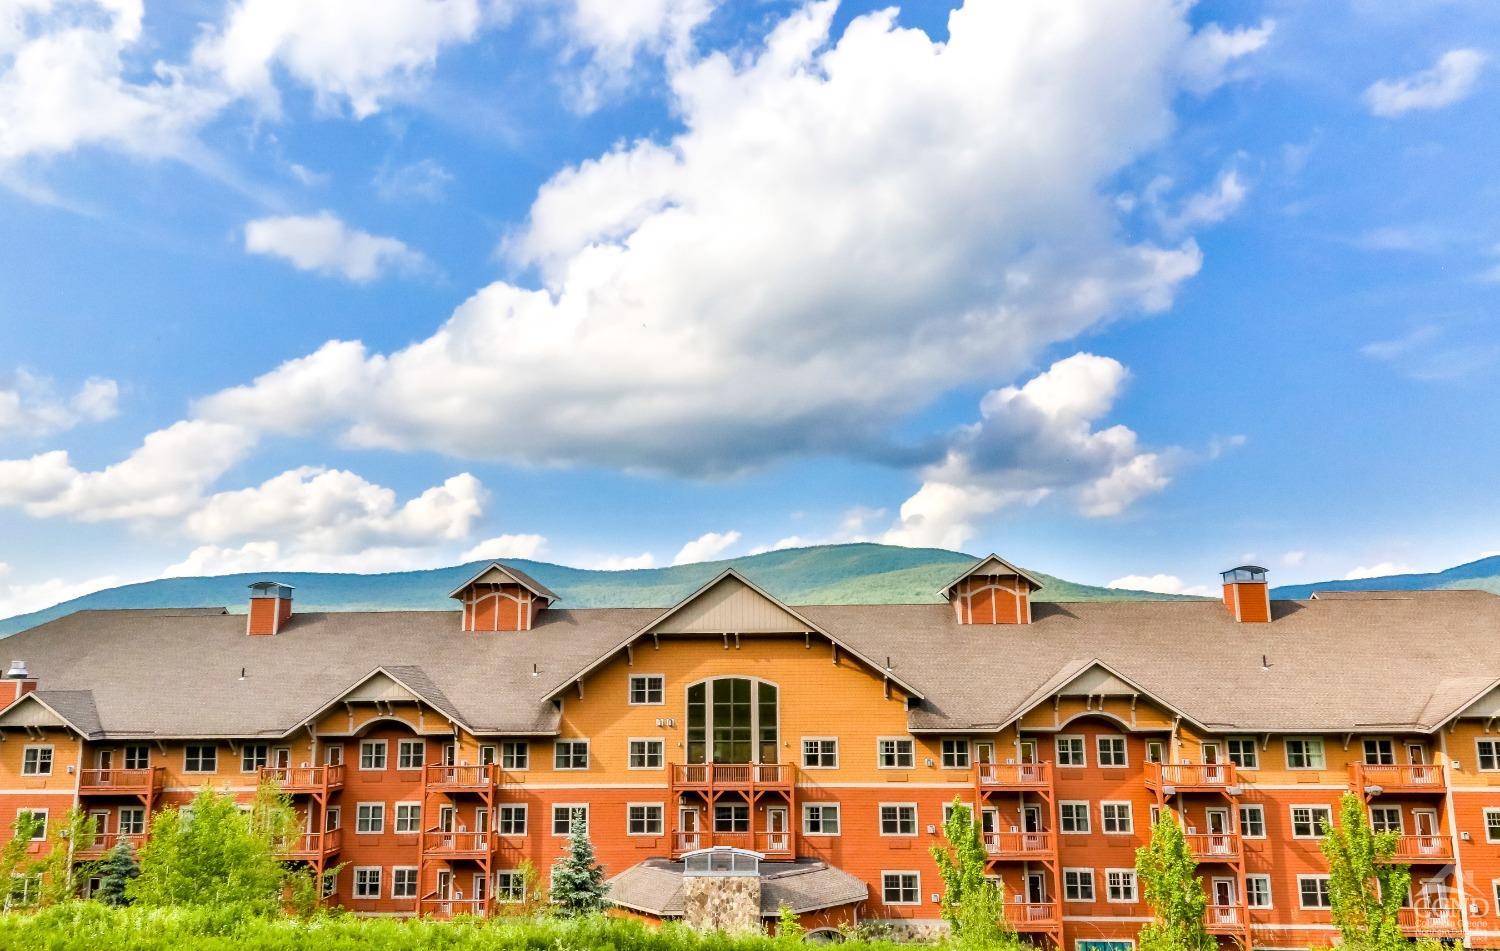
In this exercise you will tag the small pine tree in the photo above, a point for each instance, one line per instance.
(116, 870)
(1169, 883)
(578, 887)
(973, 905)
(1365, 889)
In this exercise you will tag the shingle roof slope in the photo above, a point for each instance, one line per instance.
(655, 886)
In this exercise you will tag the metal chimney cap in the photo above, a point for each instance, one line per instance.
(18, 671)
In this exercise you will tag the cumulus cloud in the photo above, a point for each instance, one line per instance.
(1213, 54)
(1161, 584)
(1380, 569)
(323, 243)
(1210, 206)
(705, 547)
(621, 562)
(507, 546)
(23, 598)
(613, 35)
(1450, 80)
(31, 406)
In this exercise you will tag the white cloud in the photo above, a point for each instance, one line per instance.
(1292, 559)
(425, 179)
(705, 547)
(1161, 584)
(621, 562)
(507, 546)
(324, 244)
(1377, 570)
(1452, 78)
(31, 406)
(273, 556)
(615, 34)
(17, 598)
(1210, 57)
(1211, 206)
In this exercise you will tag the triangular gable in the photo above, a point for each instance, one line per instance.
(1090, 677)
(1483, 703)
(991, 564)
(497, 573)
(393, 685)
(32, 712)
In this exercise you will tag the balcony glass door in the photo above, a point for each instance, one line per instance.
(732, 720)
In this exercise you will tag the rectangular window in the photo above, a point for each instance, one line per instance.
(898, 819)
(1070, 751)
(1492, 825)
(1156, 751)
(200, 758)
(1112, 751)
(1258, 891)
(515, 754)
(896, 752)
(137, 756)
(1253, 822)
(1119, 884)
(510, 887)
(647, 690)
(408, 817)
(132, 820)
(372, 755)
(647, 754)
(1489, 755)
(253, 756)
(40, 815)
(1385, 818)
(820, 818)
(731, 817)
(1115, 818)
(1380, 752)
(955, 753)
(403, 882)
(449, 754)
(367, 883)
(1073, 817)
(1242, 752)
(570, 754)
(512, 819)
(820, 752)
(1078, 884)
(330, 883)
(563, 815)
(369, 818)
(900, 888)
(1308, 821)
(1313, 891)
(411, 754)
(335, 818)
(36, 761)
(643, 819)
(1304, 753)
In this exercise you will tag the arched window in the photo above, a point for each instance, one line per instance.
(732, 720)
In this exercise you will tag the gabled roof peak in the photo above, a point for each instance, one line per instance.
(978, 567)
(515, 575)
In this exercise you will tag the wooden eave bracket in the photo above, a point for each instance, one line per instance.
(579, 684)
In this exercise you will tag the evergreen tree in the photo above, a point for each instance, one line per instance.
(577, 879)
(1169, 883)
(1364, 887)
(116, 870)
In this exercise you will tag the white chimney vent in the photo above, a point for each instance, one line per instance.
(18, 671)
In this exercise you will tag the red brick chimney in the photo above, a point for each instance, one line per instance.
(17, 683)
(1247, 595)
(270, 607)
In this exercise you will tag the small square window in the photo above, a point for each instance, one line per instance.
(1070, 751)
(1489, 755)
(411, 754)
(731, 817)
(408, 817)
(900, 888)
(1119, 884)
(1074, 817)
(1385, 818)
(898, 819)
(1253, 822)
(1308, 821)
(1258, 891)
(820, 818)
(36, 761)
(563, 816)
(367, 883)
(372, 755)
(1156, 751)
(647, 754)
(512, 819)
(510, 887)
(369, 818)
(254, 757)
(403, 882)
(896, 753)
(1243, 753)
(1313, 891)
(200, 758)
(1492, 825)
(956, 753)
(1112, 751)
(1380, 752)
(820, 753)
(132, 820)
(647, 689)
(1078, 884)
(643, 819)
(137, 756)
(515, 754)
(570, 754)
(1115, 818)
(40, 815)
(1304, 753)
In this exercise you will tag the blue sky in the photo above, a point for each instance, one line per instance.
(1121, 292)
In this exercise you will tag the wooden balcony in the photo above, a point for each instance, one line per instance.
(457, 845)
(304, 780)
(774, 845)
(1430, 922)
(1173, 778)
(1032, 916)
(1214, 847)
(444, 908)
(745, 777)
(1420, 849)
(310, 846)
(1019, 846)
(121, 782)
(1405, 780)
(1224, 919)
(1013, 777)
(105, 841)
(478, 780)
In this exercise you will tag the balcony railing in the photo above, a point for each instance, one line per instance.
(1190, 777)
(1214, 846)
(104, 841)
(1423, 848)
(295, 780)
(1018, 845)
(773, 844)
(115, 782)
(1031, 915)
(1222, 919)
(1410, 778)
(1014, 776)
(459, 778)
(311, 845)
(1429, 922)
(457, 844)
(451, 907)
(732, 775)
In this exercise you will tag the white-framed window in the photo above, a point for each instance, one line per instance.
(200, 758)
(408, 817)
(1073, 818)
(1258, 891)
(36, 760)
(333, 754)
(1112, 751)
(449, 754)
(411, 754)
(515, 755)
(369, 818)
(643, 818)
(1071, 751)
(570, 754)
(901, 888)
(40, 815)
(137, 756)
(1488, 754)
(563, 813)
(1308, 821)
(1380, 751)
(330, 883)
(1115, 818)
(510, 818)
(1386, 819)
(1304, 752)
(955, 752)
(132, 820)
(367, 881)
(1253, 821)
(372, 754)
(1492, 825)
(1312, 891)
(948, 808)
(647, 753)
(1156, 751)
(489, 754)
(510, 887)
(895, 752)
(820, 818)
(820, 752)
(1119, 885)
(648, 690)
(1078, 884)
(898, 818)
(335, 818)
(253, 756)
(1243, 752)
(403, 881)
(731, 817)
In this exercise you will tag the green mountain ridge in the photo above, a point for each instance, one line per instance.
(1483, 575)
(860, 573)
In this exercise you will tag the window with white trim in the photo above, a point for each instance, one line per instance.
(955, 753)
(40, 815)
(1492, 825)
(367, 881)
(820, 818)
(563, 814)
(253, 756)
(369, 818)
(1385, 818)
(1308, 821)
(1119, 884)
(1312, 891)
(647, 690)
(898, 819)
(1156, 751)
(403, 881)
(896, 752)
(1070, 751)
(411, 754)
(1305, 752)
(820, 752)
(1380, 751)
(510, 887)
(335, 818)
(731, 817)
(1112, 751)
(1115, 818)
(36, 761)
(1258, 891)
(372, 754)
(510, 818)
(1489, 755)
(137, 756)
(489, 754)
(408, 817)
(1073, 818)
(515, 754)
(132, 820)
(647, 754)
(1243, 752)
(1078, 884)
(570, 754)
(643, 819)
(200, 758)
(1253, 821)
(901, 888)
(330, 883)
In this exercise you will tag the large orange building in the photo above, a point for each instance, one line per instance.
(433, 752)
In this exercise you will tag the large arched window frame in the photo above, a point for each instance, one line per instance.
(733, 720)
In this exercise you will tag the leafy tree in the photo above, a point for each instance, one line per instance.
(973, 904)
(789, 928)
(61, 873)
(577, 879)
(1364, 887)
(1169, 883)
(116, 870)
(14, 865)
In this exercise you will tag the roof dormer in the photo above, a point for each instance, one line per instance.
(502, 598)
(991, 591)
(1247, 594)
